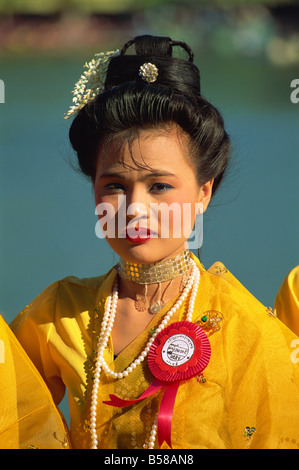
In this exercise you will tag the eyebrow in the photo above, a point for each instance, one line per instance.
(152, 174)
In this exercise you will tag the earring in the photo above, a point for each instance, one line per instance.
(200, 208)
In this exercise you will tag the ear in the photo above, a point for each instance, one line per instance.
(205, 194)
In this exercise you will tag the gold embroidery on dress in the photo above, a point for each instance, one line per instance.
(201, 379)
(286, 443)
(271, 312)
(210, 321)
(248, 433)
(86, 425)
(65, 442)
(220, 269)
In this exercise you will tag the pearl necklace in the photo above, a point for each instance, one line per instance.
(106, 328)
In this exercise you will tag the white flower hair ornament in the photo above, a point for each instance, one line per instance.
(92, 81)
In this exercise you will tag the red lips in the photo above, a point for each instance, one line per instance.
(141, 235)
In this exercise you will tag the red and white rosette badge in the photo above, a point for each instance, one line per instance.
(181, 351)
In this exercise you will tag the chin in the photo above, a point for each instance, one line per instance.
(149, 252)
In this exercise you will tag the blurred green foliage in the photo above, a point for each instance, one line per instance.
(115, 6)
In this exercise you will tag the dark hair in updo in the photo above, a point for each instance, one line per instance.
(131, 104)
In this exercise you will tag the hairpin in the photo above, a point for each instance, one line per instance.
(148, 72)
(92, 81)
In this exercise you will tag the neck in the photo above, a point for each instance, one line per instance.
(156, 282)
(133, 290)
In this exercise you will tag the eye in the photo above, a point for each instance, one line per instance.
(160, 187)
(114, 187)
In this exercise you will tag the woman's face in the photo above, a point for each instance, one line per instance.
(147, 204)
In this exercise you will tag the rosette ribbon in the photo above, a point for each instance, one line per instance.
(181, 351)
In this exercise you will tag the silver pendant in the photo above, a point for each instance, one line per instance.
(157, 306)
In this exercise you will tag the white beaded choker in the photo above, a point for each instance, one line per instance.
(106, 328)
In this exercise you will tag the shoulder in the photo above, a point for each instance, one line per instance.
(250, 332)
(225, 285)
(241, 310)
(71, 287)
(64, 298)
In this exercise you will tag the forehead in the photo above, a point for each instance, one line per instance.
(145, 149)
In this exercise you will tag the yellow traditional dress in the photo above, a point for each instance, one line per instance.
(28, 416)
(286, 304)
(247, 398)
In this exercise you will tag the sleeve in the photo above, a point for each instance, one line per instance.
(287, 301)
(33, 328)
(28, 416)
(264, 391)
(261, 355)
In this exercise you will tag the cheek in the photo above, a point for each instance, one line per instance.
(97, 198)
(101, 198)
(105, 203)
(178, 218)
(106, 211)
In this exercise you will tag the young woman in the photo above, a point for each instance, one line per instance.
(158, 352)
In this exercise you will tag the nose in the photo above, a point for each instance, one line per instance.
(136, 209)
(136, 204)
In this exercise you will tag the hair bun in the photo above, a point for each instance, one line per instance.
(175, 74)
(150, 45)
(147, 45)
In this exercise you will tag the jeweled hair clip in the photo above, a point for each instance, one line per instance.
(92, 81)
(148, 72)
